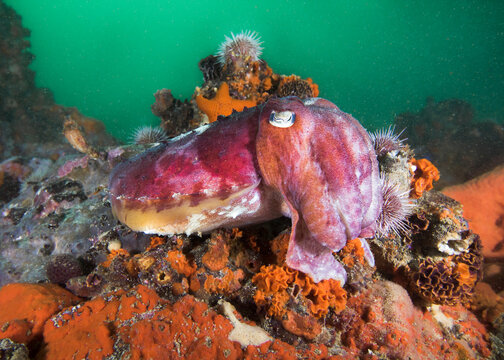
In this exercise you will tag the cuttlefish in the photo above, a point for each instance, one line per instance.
(304, 159)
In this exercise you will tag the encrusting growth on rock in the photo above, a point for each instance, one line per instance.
(222, 104)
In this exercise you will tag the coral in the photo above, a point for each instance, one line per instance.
(249, 78)
(176, 116)
(58, 195)
(293, 85)
(301, 325)
(222, 104)
(256, 81)
(279, 247)
(115, 253)
(179, 263)
(67, 168)
(382, 323)
(84, 331)
(217, 295)
(471, 334)
(352, 253)
(24, 308)
(438, 259)
(273, 283)
(62, 268)
(228, 283)
(424, 174)
(146, 326)
(439, 225)
(483, 199)
(211, 68)
(451, 280)
(217, 255)
(155, 242)
(61, 214)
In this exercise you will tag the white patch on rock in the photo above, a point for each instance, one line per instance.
(443, 320)
(242, 333)
(453, 244)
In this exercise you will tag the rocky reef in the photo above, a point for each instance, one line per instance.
(450, 134)
(78, 283)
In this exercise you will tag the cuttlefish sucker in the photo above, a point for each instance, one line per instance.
(307, 160)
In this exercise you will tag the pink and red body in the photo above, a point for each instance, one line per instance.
(307, 160)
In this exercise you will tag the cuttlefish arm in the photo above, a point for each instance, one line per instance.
(326, 171)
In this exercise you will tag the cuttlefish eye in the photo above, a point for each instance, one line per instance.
(282, 119)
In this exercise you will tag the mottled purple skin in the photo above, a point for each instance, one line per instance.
(322, 172)
(326, 169)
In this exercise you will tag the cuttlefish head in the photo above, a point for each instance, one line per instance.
(321, 162)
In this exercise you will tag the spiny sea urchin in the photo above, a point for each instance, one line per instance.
(396, 208)
(245, 46)
(384, 140)
(149, 135)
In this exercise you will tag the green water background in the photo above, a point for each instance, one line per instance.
(373, 59)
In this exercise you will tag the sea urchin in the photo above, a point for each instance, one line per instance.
(149, 135)
(396, 208)
(384, 140)
(246, 46)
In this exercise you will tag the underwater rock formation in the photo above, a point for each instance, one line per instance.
(483, 201)
(381, 322)
(233, 79)
(44, 211)
(176, 116)
(444, 131)
(230, 293)
(24, 107)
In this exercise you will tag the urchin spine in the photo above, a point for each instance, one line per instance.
(245, 45)
(396, 208)
(149, 135)
(385, 140)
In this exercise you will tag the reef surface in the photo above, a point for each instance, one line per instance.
(79, 284)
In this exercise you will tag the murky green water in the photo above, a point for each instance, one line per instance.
(372, 58)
